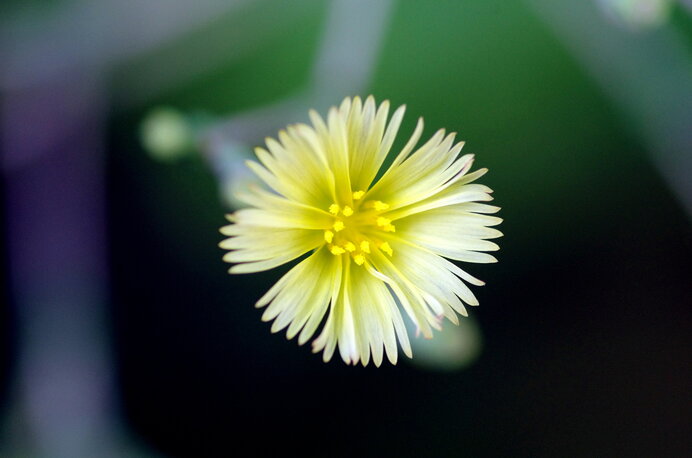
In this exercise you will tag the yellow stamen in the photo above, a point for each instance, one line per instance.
(389, 228)
(347, 211)
(382, 221)
(359, 259)
(337, 250)
(338, 226)
(365, 246)
(386, 248)
(333, 209)
(328, 236)
(350, 247)
(358, 195)
(379, 205)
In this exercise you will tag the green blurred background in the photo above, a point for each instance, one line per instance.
(585, 321)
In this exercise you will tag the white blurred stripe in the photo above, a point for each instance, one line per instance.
(648, 75)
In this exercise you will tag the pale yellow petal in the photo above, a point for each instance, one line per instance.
(374, 249)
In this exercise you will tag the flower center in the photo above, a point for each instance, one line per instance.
(355, 229)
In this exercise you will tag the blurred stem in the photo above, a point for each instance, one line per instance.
(58, 269)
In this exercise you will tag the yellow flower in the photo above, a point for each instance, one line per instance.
(370, 245)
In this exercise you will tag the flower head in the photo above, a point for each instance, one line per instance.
(372, 247)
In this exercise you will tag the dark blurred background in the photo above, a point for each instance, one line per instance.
(124, 124)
